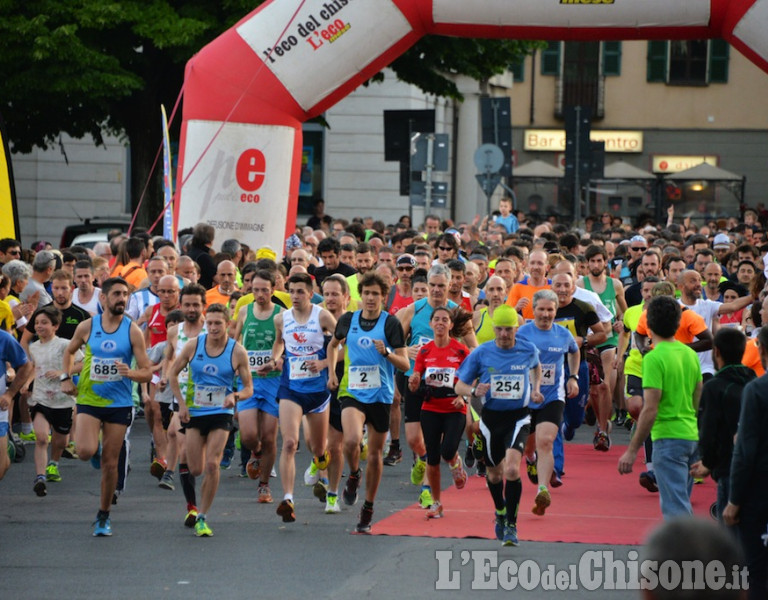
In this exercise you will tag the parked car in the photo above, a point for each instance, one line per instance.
(94, 225)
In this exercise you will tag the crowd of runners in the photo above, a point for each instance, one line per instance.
(486, 343)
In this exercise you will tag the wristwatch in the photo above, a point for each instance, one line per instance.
(64, 377)
(387, 351)
(576, 377)
(237, 397)
(472, 391)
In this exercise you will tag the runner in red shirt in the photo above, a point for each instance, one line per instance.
(443, 413)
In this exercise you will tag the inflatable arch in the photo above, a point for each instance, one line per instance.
(248, 92)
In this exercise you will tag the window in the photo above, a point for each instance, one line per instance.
(691, 62)
(610, 64)
(518, 71)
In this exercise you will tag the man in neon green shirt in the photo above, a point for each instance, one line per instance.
(671, 392)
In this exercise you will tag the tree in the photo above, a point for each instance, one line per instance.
(95, 66)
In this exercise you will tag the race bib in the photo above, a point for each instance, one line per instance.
(210, 395)
(440, 376)
(258, 358)
(548, 374)
(423, 340)
(364, 377)
(299, 367)
(507, 387)
(104, 369)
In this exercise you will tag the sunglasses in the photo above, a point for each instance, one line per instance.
(14, 252)
(641, 249)
(405, 268)
(446, 248)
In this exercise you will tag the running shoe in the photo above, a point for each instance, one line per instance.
(265, 495)
(191, 518)
(554, 480)
(567, 431)
(394, 456)
(285, 510)
(96, 458)
(459, 474)
(322, 462)
(253, 467)
(166, 481)
(510, 535)
(349, 494)
(320, 490)
(418, 471)
(542, 501)
(52, 473)
(39, 487)
(11, 450)
(481, 468)
(435, 511)
(364, 525)
(157, 468)
(501, 523)
(201, 528)
(531, 468)
(28, 437)
(589, 416)
(273, 473)
(226, 458)
(364, 449)
(102, 527)
(602, 442)
(69, 451)
(425, 498)
(469, 456)
(332, 505)
(312, 474)
(648, 481)
(621, 418)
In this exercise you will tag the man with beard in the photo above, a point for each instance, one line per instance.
(364, 263)
(71, 315)
(104, 396)
(651, 266)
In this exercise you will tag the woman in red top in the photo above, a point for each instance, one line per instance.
(443, 413)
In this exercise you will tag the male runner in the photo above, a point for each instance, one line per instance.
(375, 345)
(509, 374)
(207, 407)
(303, 388)
(104, 395)
(257, 416)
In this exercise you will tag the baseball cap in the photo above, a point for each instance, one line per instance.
(406, 259)
(721, 241)
(504, 316)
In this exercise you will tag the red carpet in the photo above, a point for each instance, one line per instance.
(595, 505)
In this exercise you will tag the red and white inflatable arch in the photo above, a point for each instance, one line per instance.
(248, 92)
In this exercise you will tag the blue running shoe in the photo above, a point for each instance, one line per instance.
(568, 432)
(501, 523)
(102, 527)
(510, 535)
(96, 459)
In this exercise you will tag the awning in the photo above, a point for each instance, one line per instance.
(704, 172)
(537, 169)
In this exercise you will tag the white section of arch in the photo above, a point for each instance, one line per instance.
(344, 35)
(753, 27)
(559, 13)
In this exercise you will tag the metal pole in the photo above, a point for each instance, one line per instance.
(430, 165)
(577, 161)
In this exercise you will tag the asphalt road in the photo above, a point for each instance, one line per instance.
(48, 551)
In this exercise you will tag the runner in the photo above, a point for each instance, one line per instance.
(509, 376)
(192, 302)
(257, 416)
(11, 353)
(49, 407)
(207, 407)
(443, 413)
(155, 333)
(336, 295)
(415, 321)
(104, 396)
(554, 343)
(303, 387)
(375, 345)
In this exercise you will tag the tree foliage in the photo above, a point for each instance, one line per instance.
(95, 66)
